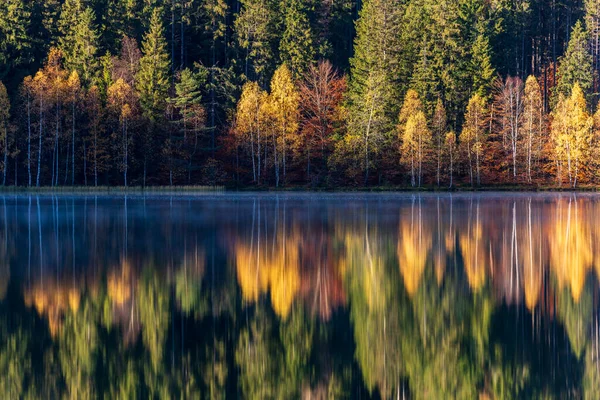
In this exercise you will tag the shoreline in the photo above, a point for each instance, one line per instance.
(290, 189)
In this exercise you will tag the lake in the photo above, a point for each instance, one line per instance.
(296, 295)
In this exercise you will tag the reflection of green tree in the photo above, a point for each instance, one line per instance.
(153, 303)
(378, 310)
(189, 293)
(446, 358)
(576, 317)
(126, 384)
(274, 366)
(215, 370)
(15, 364)
(77, 350)
(258, 358)
(591, 377)
(508, 380)
(296, 335)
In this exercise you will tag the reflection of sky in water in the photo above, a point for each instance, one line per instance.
(282, 296)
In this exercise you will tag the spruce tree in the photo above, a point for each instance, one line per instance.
(256, 34)
(152, 80)
(296, 46)
(576, 65)
(152, 83)
(4, 117)
(80, 45)
(481, 69)
(15, 40)
(374, 98)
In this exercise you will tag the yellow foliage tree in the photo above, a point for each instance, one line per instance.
(250, 125)
(284, 109)
(472, 138)
(572, 136)
(416, 143)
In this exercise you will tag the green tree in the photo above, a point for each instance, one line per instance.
(153, 299)
(575, 65)
(296, 46)
(16, 42)
(256, 34)
(80, 44)
(481, 69)
(188, 102)
(152, 83)
(4, 119)
(373, 98)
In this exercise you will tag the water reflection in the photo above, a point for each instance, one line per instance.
(315, 296)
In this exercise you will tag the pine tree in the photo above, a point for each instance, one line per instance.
(296, 46)
(16, 43)
(80, 44)
(255, 30)
(152, 82)
(373, 98)
(214, 13)
(482, 70)
(4, 118)
(188, 102)
(576, 65)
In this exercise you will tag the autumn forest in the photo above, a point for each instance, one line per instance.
(300, 93)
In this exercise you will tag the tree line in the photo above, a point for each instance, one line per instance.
(299, 92)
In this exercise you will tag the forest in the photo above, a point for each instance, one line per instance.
(300, 93)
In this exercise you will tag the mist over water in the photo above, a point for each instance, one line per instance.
(300, 295)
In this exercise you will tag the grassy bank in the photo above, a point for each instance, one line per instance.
(111, 189)
(289, 188)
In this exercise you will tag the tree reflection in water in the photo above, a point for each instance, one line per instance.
(300, 296)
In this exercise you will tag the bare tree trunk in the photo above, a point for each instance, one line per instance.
(39, 162)
(73, 146)
(28, 140)
(5, 156)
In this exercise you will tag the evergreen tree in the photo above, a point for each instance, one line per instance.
(482, 71)
(296, 46)
(152, 82)
(373, 98)
(576, 65)
(255, 30)
(188, 102)
(80, 44)
(15, 37)
(4, 117)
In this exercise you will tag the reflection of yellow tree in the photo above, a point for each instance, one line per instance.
(53, 300)
(569, 238)
(533, 258)
(271, 266)
(119, 284)
(414, 245)
(472, 247)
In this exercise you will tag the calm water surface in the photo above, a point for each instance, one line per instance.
(300, 296)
